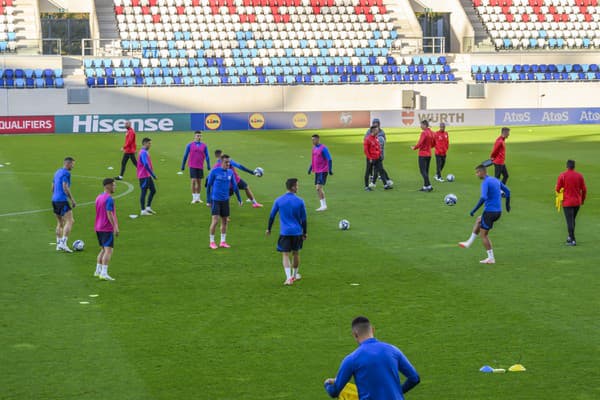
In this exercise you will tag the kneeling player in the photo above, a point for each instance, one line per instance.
(292, 226)
(106, 227)
(491, 196)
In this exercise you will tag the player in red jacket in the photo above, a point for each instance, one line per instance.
(441, 148)
(372, 150)
(128, 150)
(498, 155)
(425, 143)
(574, 192)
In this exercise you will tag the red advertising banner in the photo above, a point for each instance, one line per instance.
(28, 124)
(347, 119)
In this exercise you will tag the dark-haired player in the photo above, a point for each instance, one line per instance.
(441, 143)
(128, 150)
(106, 227)
(292, 228)
(372, 149)
(197, 152)
(574, 191)
(145, 173)
(498, 155)
(491, 196)
(242, 184)
(61, 194)
(425, 143)
(321, 165)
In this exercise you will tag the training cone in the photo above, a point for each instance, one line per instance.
(486, 368)
(517, 368)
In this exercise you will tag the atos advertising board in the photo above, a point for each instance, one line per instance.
(547, 116)
(27, 124)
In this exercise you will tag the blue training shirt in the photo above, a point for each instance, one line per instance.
(292, 215)
(375, 366)
(61, 176)
(491, 194)
(218, 184)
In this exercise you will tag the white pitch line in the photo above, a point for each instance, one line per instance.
(87, 203)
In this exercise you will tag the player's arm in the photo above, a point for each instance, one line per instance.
(583, 191)
(506, 191)
(335, 386)
(366, 148)
(186, 154)
(560, 183)
(406, 369)
(272, 216)
(144, 161)
(236, 190)
(495, 150)
(310, 168)
(482, 199)
(207, 157)
(209, 184)
(67, 190)
(240, 166)
(420, 142)
(303, 221)
(112, 217)
(327, 156)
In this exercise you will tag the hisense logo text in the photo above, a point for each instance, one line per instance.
(93, 123)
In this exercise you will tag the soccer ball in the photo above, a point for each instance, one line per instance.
(78, 245)
(450, 178)
(344, 225)
(450, 199)
(258, 172)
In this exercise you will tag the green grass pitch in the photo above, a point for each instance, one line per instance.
(184, 322)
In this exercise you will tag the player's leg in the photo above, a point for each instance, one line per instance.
(487, 243)
(504, 174)
(213, 225)
(296, 265)
(59, 230)
(251, 197)
(123, 165)
(438, 168)
(133, 160)
(287, 268)
(143, 192)
(152, 190)
(424, 169)
(497, 171)
(99, 259)
(474, 233)
(108, 251)
(68, 222)
(379, 170)
(570, 218)
(224, 222)
(443, 165)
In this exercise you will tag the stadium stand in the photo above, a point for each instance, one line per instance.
(31, 78)
(535, 72)
(248, 42)
(8, 36)
(541, 24)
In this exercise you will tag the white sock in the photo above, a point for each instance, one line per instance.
(98, 268)
(490, 254)
(64, 240)
(295, 272)
(288, 272)
(223, 235)
(323, 203)
(472, 238)
(212, 238)
(104, 269)
(194, 196)
(58, 239)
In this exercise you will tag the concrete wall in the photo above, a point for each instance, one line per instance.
(295, 98)
(72, 6)
(33, 62)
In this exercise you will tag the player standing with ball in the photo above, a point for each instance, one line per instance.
(292, 228)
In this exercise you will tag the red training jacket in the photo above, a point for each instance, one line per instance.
(498, 155)
(441, 143)
(129, 146)
(425, 143)
(574, 185)
(372, 147)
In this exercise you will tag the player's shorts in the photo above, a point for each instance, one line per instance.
(220, 208)
(488, 218)
(242, 185)
(321, 178)
(106, 239)
(61, 207)
(286, 243)
(196, 173)
(147, 183)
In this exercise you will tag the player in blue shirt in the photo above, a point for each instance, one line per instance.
(292, 221)
(61, 193)
(374, 366)
(219, 181)
(491, 195)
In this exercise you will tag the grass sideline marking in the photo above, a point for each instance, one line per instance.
(87, 203)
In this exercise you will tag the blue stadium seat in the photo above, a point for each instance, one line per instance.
(39, 82)
(29, 83)
(19, 83)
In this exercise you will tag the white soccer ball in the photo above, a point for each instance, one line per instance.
(78, 245)
(450, 199)
(259, 172)
(344, 224)
(450, 178)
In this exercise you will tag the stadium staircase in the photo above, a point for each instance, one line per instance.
(27, 26)
(406, 24)
(482, 41)
(106, 19)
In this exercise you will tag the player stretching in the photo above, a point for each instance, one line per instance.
(217, 192)
(491, 189)
(424, 145)
(107, 227)
(128, 150)
(498, 155)
(441, 148)
(145, 173)
(197, 153)
(292, 228)
(572, 187)
(321, 165)
(61, 193)
(242, 184)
